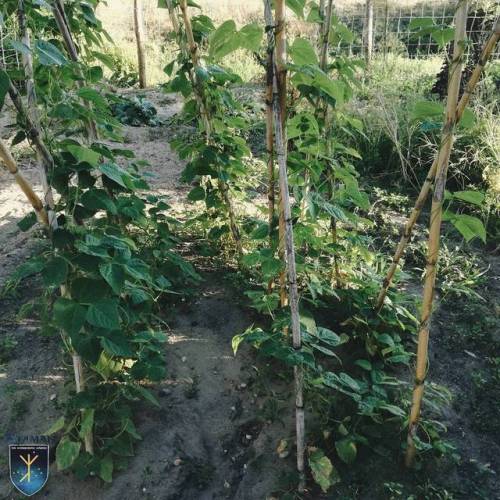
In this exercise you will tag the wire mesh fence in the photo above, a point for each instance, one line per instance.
(395, 30)
(8, 56)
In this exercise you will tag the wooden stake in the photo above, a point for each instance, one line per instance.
(268, 15)
(198, 88)
(280, 70)
(11, 166)
(456, 68)
(279, 106)
(426, 187)
(369, 32)
(139, 38)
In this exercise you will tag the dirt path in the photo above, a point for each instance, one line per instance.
(205, 442)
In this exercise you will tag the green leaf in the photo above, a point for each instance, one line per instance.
(69, 315)
(55, 272)
(473, 197)
(4, 86)
(196, 194)
(322, 470)
(117, 345)
(427, 109)
(83, 154)
(421, 22)
(98, 199)
(56, 427)
(443, 36)
(104, 314)
(27, 222)
(468, 119)
(20, 47)
(297, 6)
(223, 40)
(116, 174)
(346, 450)
(49, 55)
(87, 422)
(364, 363)
(106, 469)
(114, 275)
(302, 52)
(250, 37)
(66, 453)
(469, 227)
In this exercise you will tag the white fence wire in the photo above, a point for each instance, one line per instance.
(394, 31)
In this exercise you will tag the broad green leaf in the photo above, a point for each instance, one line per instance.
(196, 194)
(87, 422)
(116, 344)
(55, 272)
(69, 315)
(469, 227)
(223, 40)
(83, 154)
(115, 173)
(106, 469)
(302, 52)
(114, 275)
(473, 197)
(346, 450)
(427, 109)
(49, 54)
(421, 22)
(56, 426)
(104, 314)
(27, 222)
(250, 37)
(297, 6)
(20, 47)
(443, 36)
(66, 453)
(468, 118)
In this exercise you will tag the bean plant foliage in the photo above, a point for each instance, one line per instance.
(353, 356)
(113, 251)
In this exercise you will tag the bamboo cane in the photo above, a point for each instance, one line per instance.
(268, 14)
(64, 29)
(369, 32)
(223, 186)
(44, 166)
(11, 166)
(139, 38)
(280, 69)
(456, 68)
(281, 153)
(426, 187)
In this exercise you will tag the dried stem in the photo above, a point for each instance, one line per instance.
(279, 106)
(139, 38)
